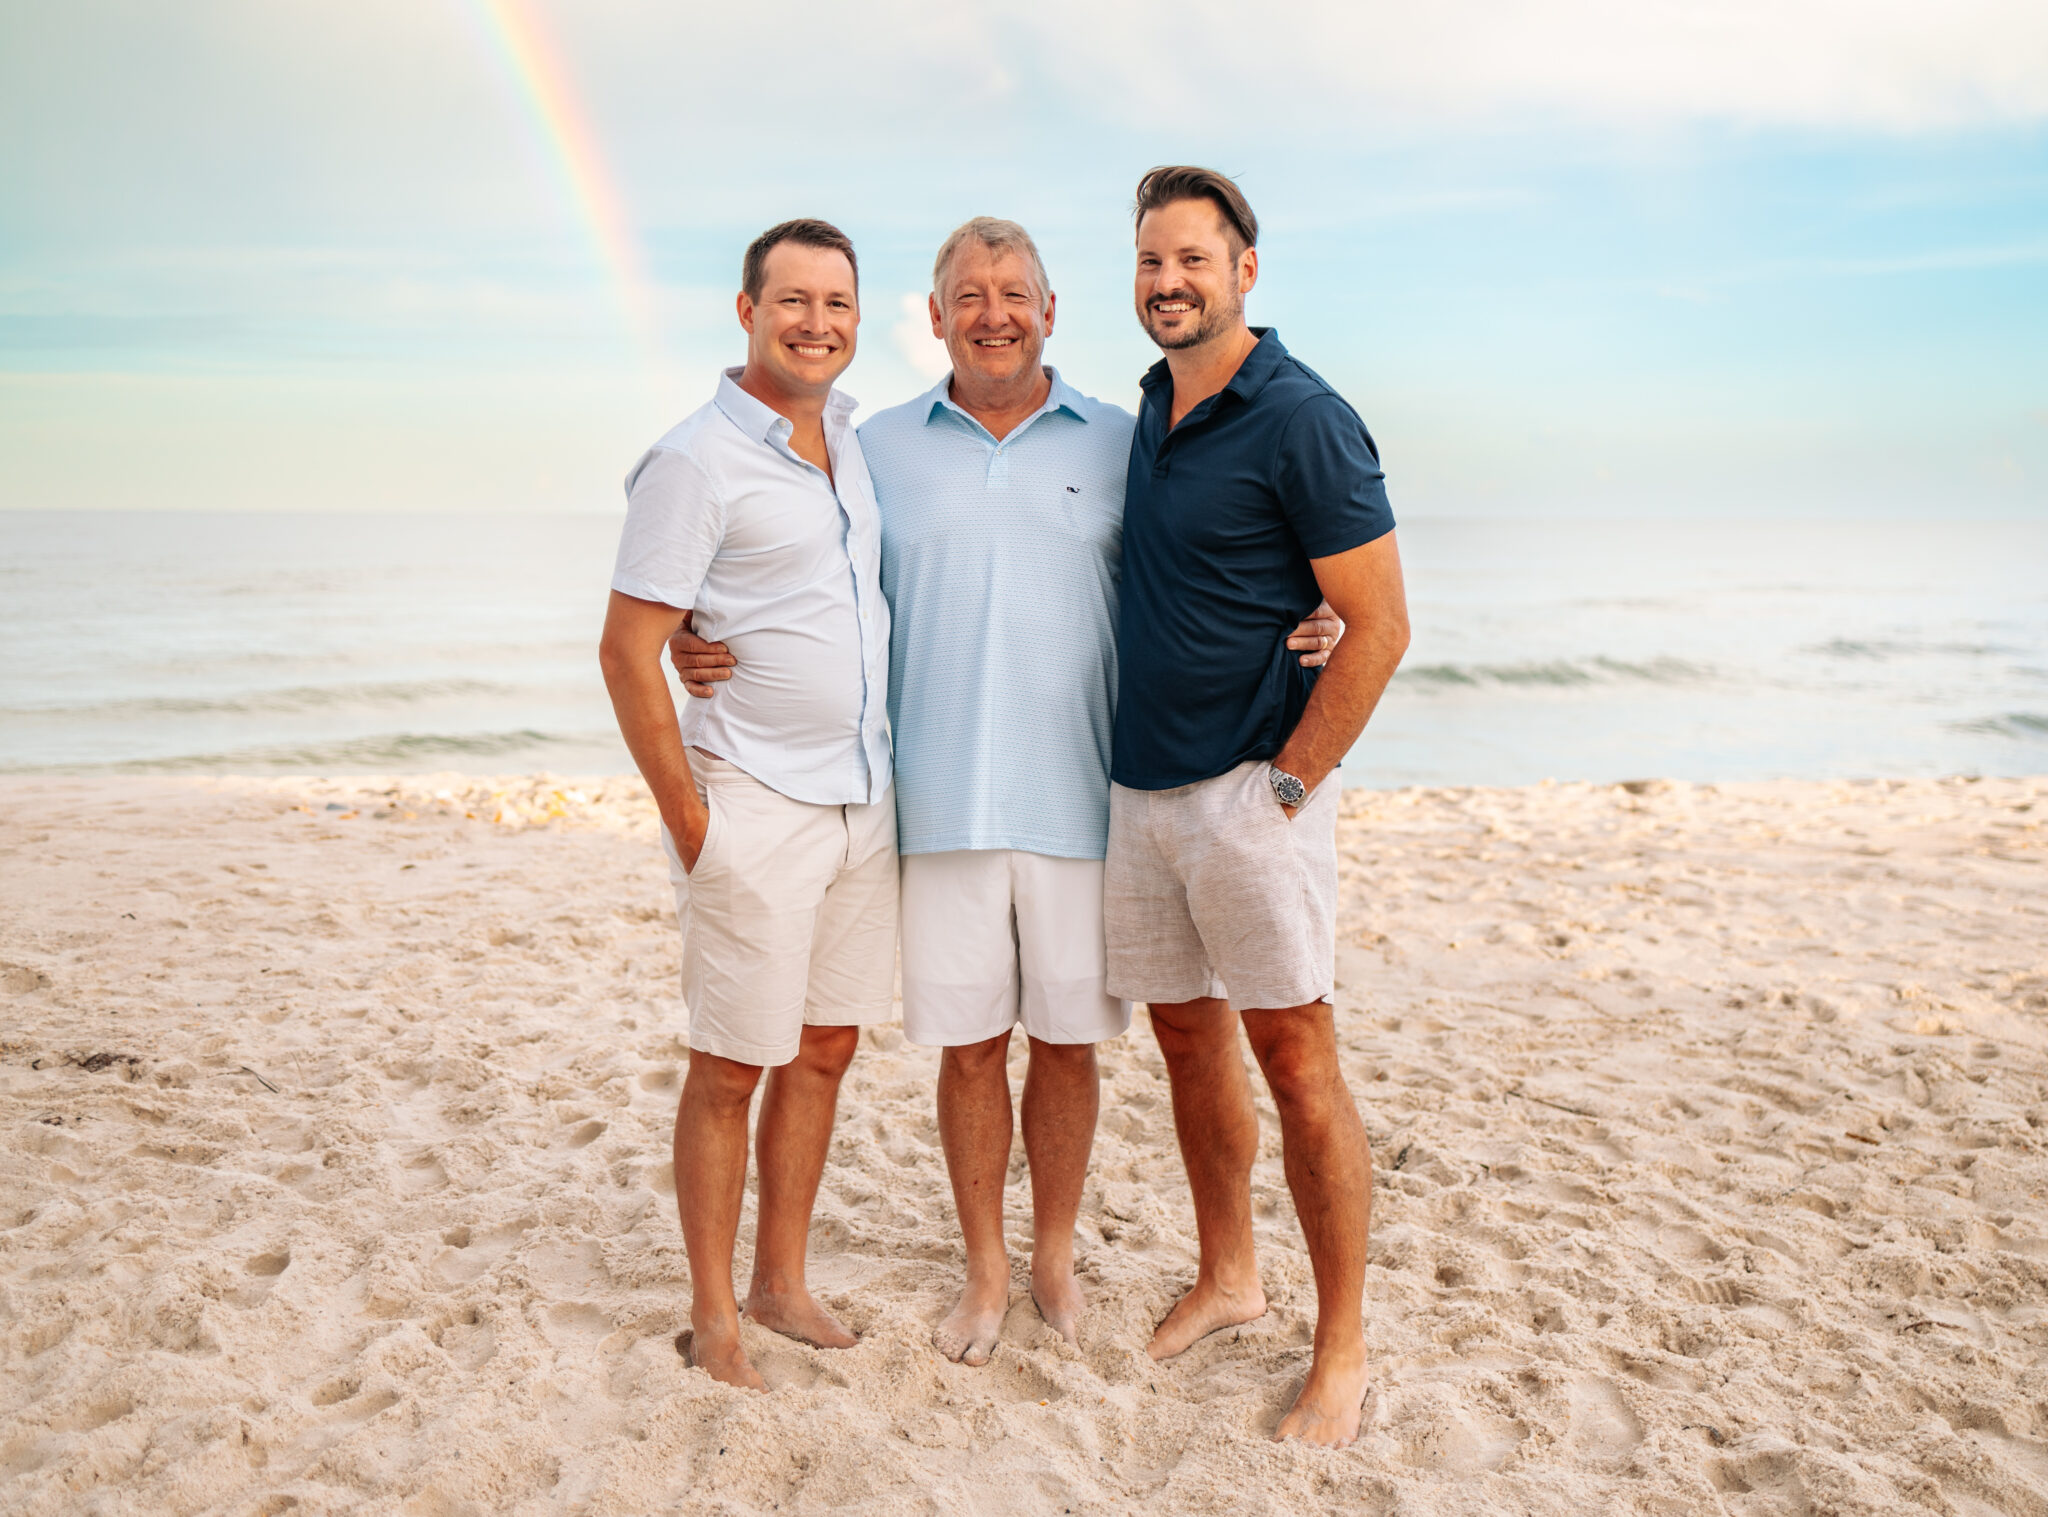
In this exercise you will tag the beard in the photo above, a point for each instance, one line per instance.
(1207, 321)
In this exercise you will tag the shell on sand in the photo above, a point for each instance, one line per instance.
(1710, 1128)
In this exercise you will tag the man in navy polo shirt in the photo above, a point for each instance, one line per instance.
(1253, 491)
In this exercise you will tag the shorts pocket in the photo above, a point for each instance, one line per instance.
(714, 834)
(1258, 798)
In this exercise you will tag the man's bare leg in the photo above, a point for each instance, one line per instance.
(1219, 1139)
(793, 1136)
(1329, 1169)
(975, 1129)
(1061, 1094)
(711, 1180)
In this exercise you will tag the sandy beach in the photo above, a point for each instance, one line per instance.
(1710, 1128)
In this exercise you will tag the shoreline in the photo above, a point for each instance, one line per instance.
(1711, 1168)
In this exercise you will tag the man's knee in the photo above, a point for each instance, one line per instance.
(1298, 1054)
(719, 1082)
(1187, 1028)
(966, 1061)
(827, 1051)
(1072, 1059)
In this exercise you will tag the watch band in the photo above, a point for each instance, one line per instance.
(1288, 790)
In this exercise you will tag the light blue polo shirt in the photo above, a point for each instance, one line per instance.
(1000, 562)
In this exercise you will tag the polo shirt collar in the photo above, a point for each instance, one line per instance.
(760, 420)
(1259, 365)
(1063, 397)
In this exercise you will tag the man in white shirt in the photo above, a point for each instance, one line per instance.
(756, 515)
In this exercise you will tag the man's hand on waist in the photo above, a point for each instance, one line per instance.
(1316, 636)
(699, 665)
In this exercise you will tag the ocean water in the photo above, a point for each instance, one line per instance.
(242, 643)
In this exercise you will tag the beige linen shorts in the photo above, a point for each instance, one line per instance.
(996, 936)
(1210, 890)
(788, 919)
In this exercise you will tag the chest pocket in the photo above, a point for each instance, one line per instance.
(1091, 513)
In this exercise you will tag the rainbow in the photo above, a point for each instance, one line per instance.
(535, 68)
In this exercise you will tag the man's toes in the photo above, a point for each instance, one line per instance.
(1066, 1324)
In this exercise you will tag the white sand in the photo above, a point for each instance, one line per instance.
(1711, 1129)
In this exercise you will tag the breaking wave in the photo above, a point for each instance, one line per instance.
(1559, 673)
(394, 751)
(293, 698)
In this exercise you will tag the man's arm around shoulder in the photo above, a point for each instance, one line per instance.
(635, 632)
(1363, 586)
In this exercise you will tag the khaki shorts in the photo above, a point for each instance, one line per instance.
(996, 936)
(1210, 890)
(788, 919)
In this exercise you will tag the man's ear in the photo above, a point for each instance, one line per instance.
(745, 306)
(938, 322)
(1051, 300)
(1247, 271)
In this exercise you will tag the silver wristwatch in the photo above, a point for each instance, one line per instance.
(1287, 790)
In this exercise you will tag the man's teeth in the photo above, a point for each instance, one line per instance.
(811, 349)
(995, 342)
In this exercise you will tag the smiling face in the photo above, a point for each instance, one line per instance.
(992, 315)
(1190, 287)
(800, 333)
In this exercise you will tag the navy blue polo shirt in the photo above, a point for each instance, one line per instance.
(1221, 517)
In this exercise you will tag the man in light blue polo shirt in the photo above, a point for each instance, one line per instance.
(1001, 495)
(1002, 498)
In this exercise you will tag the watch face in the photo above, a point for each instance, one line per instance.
(1287, 788)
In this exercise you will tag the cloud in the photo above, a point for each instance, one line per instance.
(1354, 68)
(913, 340)
(1707, 288)
(1889, 65)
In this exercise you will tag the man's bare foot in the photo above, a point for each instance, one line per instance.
(1200, 1312)
(720, 1356)
(969, 1334)
(1059, 1299)
(1331, 1403)
(795, 1315)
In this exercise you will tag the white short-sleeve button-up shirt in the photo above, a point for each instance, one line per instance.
(782, 563)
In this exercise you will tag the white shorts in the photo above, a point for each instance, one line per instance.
(789, 917)
(993, 936)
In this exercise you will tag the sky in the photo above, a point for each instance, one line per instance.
(1742, 260)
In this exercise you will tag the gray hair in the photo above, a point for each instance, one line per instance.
(998, 236)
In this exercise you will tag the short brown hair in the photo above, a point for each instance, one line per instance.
(1180, 181)
(805, 231)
